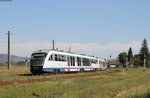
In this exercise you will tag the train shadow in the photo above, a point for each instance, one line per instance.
(44, 74)
(49, 74)
(30, 74)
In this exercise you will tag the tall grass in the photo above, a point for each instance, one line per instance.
(23, 73)
(126, 84)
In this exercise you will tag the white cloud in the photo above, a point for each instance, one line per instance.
(26, 48)
(97, 47)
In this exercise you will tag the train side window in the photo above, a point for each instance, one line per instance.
(100, 62)
(55, 57)
(83, 61)
(59, 57)
(86, 62)
(79, 61)
(73, 61)
(94, 61)
(75, 58)
(63, 58)
(90, 62)
(68, 60)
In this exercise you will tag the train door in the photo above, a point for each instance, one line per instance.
(99, 65)
(68, 62)
(72, 59)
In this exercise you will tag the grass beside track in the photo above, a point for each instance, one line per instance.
(133, 83)
(23, 73)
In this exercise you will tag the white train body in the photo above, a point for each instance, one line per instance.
(58, 61)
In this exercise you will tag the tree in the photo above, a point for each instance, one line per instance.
(144, 53)
(130, 56)
(136, 62)
(122, 58)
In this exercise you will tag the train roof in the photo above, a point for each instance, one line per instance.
(61, 51)
(42, 50)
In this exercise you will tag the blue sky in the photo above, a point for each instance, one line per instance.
(104, 25)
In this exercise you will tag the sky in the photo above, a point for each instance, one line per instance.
(94, 27)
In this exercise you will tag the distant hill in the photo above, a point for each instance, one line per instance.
(4, 57)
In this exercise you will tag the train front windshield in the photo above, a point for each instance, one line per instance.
(37, 59)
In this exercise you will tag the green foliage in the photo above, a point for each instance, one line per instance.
(136, 62)
(144, 53)
(122, 58)
(130, 56)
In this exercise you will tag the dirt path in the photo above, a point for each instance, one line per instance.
(5, 83)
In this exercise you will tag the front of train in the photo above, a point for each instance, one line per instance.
(37, 61)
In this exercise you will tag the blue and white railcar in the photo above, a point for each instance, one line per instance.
(58, 61)
(102, 64)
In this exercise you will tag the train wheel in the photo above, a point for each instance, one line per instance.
(95, 69)
(56, 71)
(34, 72)
(82, 70)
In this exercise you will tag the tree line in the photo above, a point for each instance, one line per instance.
(137, 59)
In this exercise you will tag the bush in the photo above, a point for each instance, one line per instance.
(136, 62)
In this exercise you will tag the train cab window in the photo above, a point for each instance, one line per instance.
(51, 57)
(38, 56)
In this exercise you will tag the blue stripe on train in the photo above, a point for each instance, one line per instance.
(71, 68)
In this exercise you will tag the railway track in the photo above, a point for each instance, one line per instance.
(30, 81)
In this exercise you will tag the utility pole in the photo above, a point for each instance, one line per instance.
(70, 49)
(110, 60)
(9, 61)
(26, 61)
(144, 61)
(109, 66)
(126, 63)
(53, 42)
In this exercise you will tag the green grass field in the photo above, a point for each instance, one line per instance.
(133, 83)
